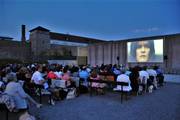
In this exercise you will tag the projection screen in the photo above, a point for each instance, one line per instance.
(145, 51)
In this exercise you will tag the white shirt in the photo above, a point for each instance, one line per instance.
(143, 75)
(123, 78)
(37, 77)
(151, 72)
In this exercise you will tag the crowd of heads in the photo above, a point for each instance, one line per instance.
(25, 71)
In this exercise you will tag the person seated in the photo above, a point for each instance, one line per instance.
(67, 78)
(123, 78)
(152, 74)
(95, 76)
(134, 78)
(128, 71)
(28, 86)
(58, 72)
(75, 71)
(84, 75)
(38, 79)
(75, 75)
(21, 74)
(160, 75)
(145, 80)
(2, 86)
(14, 89)
(116, 72)
(51, 75)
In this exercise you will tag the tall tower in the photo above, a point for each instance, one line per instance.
(40, 41)
(23, 34)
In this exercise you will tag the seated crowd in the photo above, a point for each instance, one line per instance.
(18, 81)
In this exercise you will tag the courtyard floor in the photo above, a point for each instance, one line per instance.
(162, 104)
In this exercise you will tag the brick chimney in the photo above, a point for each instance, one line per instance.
(23, 34)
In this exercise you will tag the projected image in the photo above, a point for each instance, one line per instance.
(145, 51)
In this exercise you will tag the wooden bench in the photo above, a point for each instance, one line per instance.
(112, 83)
(108, 77)
(39, 88)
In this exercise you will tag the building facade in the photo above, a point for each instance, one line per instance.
(115, 52)
(44, 45)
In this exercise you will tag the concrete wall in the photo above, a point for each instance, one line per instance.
(107, 53)
(82, 55)
(172, 64)
(82, 51)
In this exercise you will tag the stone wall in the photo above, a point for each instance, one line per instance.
(14, 50)
(40, 42)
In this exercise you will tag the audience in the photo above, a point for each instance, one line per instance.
(39, 74)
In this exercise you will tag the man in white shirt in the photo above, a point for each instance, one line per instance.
(38, 79)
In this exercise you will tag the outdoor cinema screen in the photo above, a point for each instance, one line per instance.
(145, 51)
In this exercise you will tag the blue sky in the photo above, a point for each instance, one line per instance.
(101, 19)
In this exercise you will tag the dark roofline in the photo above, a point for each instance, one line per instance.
(147, 38)
(40, 28)
(73, 38)
(3, 37)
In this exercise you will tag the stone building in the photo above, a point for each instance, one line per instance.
(44, 45)
(14, 50)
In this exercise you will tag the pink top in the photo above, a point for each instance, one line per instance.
(65, 76)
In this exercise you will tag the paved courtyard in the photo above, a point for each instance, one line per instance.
(162, 104)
